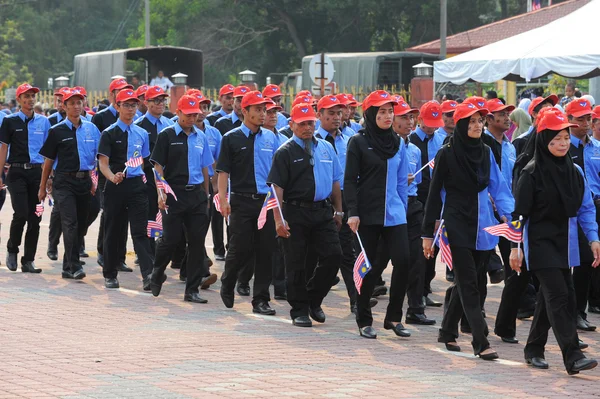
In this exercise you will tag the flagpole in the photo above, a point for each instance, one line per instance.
(437, 233)
(278, 205)
(424, 166)
(519, 243)
(159, 191)
(362, 248)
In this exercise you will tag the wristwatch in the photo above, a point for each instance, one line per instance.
(591, 242)
(340, 214)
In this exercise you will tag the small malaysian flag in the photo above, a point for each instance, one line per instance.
(162, 184)
(134, 162)
(362, 266)
(432, 163)
(155, 228)
(95, 178)
(444, 246)
(144, 179)
(39, 209)
(512, 231)
(270, 203)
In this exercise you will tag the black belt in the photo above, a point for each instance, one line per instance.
(77, 175)
(412, 199)
(26, 165)
(253, 196)
(309, 204)
(188, 187)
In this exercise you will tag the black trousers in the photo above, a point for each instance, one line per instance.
(594, 287)
(126, 201)
(556, 308)
(278, 272)
(308, 282)
(72, 197)
(395, 238)
(55, 230)
(24, 185)
(429, 272)
(216, 226)
(190, 211)
(465, 297)
(247, 244)
(514, 288)
(100, 243)
(582, 281)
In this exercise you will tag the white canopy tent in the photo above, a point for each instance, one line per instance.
(567, 46)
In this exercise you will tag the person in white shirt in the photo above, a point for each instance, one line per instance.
(162, 81)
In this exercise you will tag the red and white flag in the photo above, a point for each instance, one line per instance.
(133, 162)
(39, 209)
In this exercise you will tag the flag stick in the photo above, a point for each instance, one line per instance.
(159, 190)
(437, 234)
(519, 243)
(278, 204)
(424, 166)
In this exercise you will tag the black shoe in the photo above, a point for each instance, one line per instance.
(449, 275)
(66, 274)
(582, 365)
(537, 362)
(317, 314)
(524, 314)
(149, 285)
(82, 254)
(594, 309)
(263, 308)
(452, 348)
(81, 263)
(227, 297)
(78, 274)
(122, 267)
(52, 254)
(431, 303)
(175, 266)
(194, 297)
(100, 260)
(11, 262)
(243, 289)
(368, 332)
(582, 345)
(511, 340)
(220, 257)
(419, 318)
(488, 356)
(208, 281)
(111, 283)
(496, 276)
(302, 321)
(336, 281)
(379, 290)
(29, 267)
(373, 302)
(398, 328)
(280, 296)
(465, 329)
(582, 324)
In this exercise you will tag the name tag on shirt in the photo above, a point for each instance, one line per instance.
(38, 132)
(298, 160)
(67, 139)
(18, 130)
(326, 161)
(176, 143)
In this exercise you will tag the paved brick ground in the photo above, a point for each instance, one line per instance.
(65, 339)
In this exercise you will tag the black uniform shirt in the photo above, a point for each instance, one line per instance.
(227, 123)
(24, 137)
(105, 118)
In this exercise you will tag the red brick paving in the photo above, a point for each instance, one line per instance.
(67, 339)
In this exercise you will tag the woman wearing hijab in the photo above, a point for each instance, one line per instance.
(464, 177)
(377, 204)
(522, 120)
(552, 197)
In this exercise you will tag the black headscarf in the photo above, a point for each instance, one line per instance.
(471, 159)
(385, 142)
(558, 174)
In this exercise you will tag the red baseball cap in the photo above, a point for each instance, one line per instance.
(596, 112)
(81, 89)
(448, 106)
(303, 112)
(552, 98)
(465, 110)
(141, 91)
(579, 107)
(62, 91)
(226, 89)
(155, 91)
(72, 93)
(403, 108)
(25, 87)
(188, 105)
(329, 101)
(344, 99)
(302, 99)
(240, 91)
(477, 101)
(554, 121)
(126, 95)
(271, 91)
(431, 113)
(271, 105)
(353, 101)
(200, 97)
(305, 93)
(377, 99)
(254, 97)
(495, 105)
(119, 84)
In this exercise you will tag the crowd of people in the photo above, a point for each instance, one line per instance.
(305, 195)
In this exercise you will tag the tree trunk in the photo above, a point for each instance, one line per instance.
(291, 27)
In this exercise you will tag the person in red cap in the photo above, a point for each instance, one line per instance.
(72, 146)
(273, 110)
(352, 105)
(103, 119)
(429, 143)
(448, 108)
(534, 108)
(244, 161)
(596, 123)
(274, 93)
(376, 192)
(181, 157)
(23, 133)
(551, 192)
(125, 196)
(234, 119)
(345, 128)
(466, 170)
(586, 154)
(87, 113)
(226, 101)
(140, 92)
(306, 177)
(60, 113)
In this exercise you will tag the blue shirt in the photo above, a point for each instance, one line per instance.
(138, 144)
(436, 140)
(88, 139)
(58, 116)
(348, 131)
(199, 155)
(591, 163)
(341, 147)
(442, 132)
(281, 121)
(355, 126)
(160, 123)
(138, 114)
(220, 113)
(326, 168)
(24, 148)
(509, 157)
(414, 163)
(213, 137)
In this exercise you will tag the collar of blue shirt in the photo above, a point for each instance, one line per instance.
(504, 138)
(234, 117)
(152, 118)
(576, 141)
(179, 129)
(24, 117)
(113, 110)
(422, 134)
(246, 130)
(123, 126)
(70, 124)
(300, 142)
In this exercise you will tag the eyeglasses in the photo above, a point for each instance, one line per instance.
(129, 105)
(158, 101)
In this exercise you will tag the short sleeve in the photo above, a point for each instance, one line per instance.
(161, 149)
(5, 134)
(224, 162)
(50, 148)
(105, 145)
(280, 168)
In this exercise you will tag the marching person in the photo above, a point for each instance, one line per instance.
(23, 134)
(182, 157)
(306, 177)
(448, 108)
(553, 197)
(125, 195)
(73, 144)
(60, 113)
(274, 93)
(466, 170)
(140, 92)
(226, 100)
(234, 118)
(245, 160)
(375, 190)
(534, 108)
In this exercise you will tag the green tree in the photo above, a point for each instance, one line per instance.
(11, 73)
